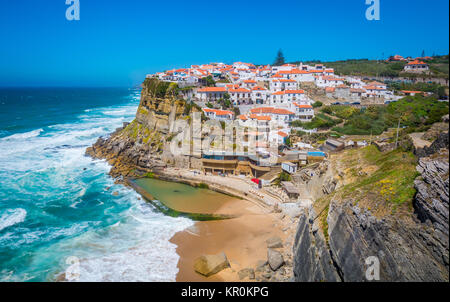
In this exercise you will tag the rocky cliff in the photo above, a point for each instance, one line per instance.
(138, 147)
(411, 243)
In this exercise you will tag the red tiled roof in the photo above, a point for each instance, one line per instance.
(271, 110)
(304, 106)
(238, 90)
(212, 89)
(218, 112)
(416, 62)
(282, 134)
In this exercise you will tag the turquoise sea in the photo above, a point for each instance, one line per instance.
(56, 212)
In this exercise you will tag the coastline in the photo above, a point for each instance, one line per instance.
(242, 227)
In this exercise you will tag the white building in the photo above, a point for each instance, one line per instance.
(416, 66)
(221, 115)
(304, 112)
(240, 96)
(260, 95)
(209, 94)
(287, 97)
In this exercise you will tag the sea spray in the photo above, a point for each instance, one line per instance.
(55, 201)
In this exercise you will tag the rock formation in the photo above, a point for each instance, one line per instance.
(414, 249)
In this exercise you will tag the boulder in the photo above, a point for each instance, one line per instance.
(246, 273)
(208, 265)
(275, 259)
(293, 210)
(274, 242)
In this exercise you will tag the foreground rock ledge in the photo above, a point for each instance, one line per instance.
(208, 265)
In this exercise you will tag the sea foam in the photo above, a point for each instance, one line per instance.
(11, 217)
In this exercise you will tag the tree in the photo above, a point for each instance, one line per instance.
(210, 81)
(279, 60)
(423, 54)
(317, 104)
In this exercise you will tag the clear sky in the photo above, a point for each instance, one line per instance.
(116, 43)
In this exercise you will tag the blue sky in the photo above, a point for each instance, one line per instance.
(117, 42)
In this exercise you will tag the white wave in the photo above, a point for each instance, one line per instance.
(134, 251)
(25, 135)
(136, 248)
(11, 217)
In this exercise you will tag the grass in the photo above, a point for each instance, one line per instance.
(149, 175)
(416, 113)
(392, 182)
(385, 187)
(365, 67)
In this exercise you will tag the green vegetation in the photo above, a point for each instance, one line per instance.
(288, 142)
(225, 102)
(317, 104)
(415, 113)
(439, 67)
(279, 60)
(392, 181)
(149, 175)
(209, 81)
(284, 176)
(159, 88)
(320, 121)
(438, 90)
(202, 185)
(189, 106)
(382, 183)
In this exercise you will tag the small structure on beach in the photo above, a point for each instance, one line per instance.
(289, 167)
(290, 189)
(333, 145)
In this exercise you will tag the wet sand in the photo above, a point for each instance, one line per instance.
(242, 239)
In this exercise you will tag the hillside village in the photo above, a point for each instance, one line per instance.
(278, 101)
(331, 147)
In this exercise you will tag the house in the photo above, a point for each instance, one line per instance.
(278, 137)
(240, 95)
(289, 167)
(328, 81)
(283, 84)
(216, 114)
(208, 94)
(416, 66)
(304, 112)
(235, 163)
(249, 84)
(287, 97)
(291, 191)
(411, 92)
(396, 58)
(333, 145)
(281, 115)
(259, 95)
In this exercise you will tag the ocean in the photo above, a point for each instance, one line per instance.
(59, 210)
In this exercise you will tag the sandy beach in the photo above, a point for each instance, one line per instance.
(242, 239)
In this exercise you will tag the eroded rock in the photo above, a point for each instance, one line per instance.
(208, 265)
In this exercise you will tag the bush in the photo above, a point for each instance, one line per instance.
(317, 104)
(202, 185)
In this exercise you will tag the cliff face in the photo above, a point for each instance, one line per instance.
(409, 247)
(137, 147)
